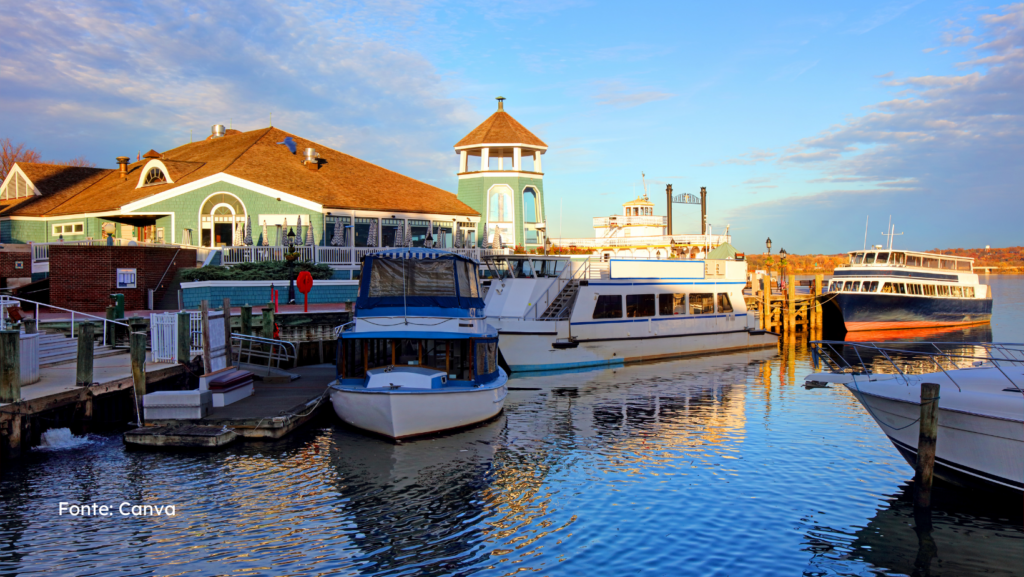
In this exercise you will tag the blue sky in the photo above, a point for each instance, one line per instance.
(802, 119)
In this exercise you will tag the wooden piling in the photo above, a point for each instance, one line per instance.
(246, 318)
(817, 304)
(204, 310)
(227, 331)
(86, 348)
(928, 432)
(268, 322)
(30, 326)
(766, 301)
(10, 366)
(184, 352)
(137, 352)
(111, 328)
(791, 306)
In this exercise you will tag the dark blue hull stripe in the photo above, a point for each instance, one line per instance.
(896, 274)
(955, 469)
(890, 308)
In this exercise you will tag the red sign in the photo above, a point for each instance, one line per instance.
(304, 284)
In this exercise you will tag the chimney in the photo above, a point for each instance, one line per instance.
(668, 198)
(217, 131)
(122, 163)
(501, 102)
(311, 159)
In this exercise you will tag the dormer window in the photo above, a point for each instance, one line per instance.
(155, 176)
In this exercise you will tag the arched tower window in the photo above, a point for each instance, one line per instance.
(500, 205)
(155, 176)
(530, 205)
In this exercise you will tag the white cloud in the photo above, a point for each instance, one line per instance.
(620, 95)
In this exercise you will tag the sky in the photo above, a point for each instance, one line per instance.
(804, 120)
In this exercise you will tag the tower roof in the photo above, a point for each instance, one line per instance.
(500, 128)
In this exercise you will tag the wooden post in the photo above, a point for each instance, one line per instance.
(392, 352)
(30, 326)
(791, 305)
(766, 301)
(184, 337)
(204, 309)
(448, 353)
(817, 304)
(227, 332)
(10, 367)
(928, 432)
(246, 328)
(86, 348)
(267, 330)
(111, 327)
(137, 352)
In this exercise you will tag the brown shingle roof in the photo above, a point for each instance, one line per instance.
(342, 181)
(56, 184)
(500, 128)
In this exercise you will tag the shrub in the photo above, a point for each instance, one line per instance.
(270, 270)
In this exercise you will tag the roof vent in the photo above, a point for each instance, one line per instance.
(217, 130)
(310, 158)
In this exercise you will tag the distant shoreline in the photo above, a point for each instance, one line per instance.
(775, 271)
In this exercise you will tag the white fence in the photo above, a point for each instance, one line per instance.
(631, 241)
(163, 332)
(332, 255)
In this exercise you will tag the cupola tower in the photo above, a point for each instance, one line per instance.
(500, 176)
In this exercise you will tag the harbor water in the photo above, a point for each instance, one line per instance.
(719, 465)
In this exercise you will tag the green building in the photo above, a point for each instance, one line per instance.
(500, 177)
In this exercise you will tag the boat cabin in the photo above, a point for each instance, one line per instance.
(909, 259)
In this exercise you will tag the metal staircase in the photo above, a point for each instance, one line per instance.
(561, 307)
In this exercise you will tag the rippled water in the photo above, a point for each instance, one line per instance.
(723, 465)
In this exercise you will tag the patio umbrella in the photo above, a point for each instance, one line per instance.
(458, 235)
(248, 231)
(496, 240)
(399, 241)
(338, 239)
(371, 240)
(298, 230)
(408, 234)
(429, 241)
(281, 231)
(266, 241)
(309, 235)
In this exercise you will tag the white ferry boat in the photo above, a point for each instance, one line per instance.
(418, 358)
(901, 289)
(556, 313)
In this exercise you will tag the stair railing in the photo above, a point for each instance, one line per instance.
(565, 278)
(7, 300)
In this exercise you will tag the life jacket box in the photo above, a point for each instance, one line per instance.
(227, 386)
(177, 405)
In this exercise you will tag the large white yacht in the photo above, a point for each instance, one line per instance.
(555, 313)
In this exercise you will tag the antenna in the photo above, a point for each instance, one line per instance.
(892, 232)
(643, 179)
(866, 220)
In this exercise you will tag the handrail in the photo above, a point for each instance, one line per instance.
(270, 354)
(161, 281)
(4, 299)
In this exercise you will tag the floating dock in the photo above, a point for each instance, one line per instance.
(274, 410)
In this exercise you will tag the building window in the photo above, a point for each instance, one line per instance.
(500, 204)
(155, 176)
(530, 205)
(71, 228)
(17, 187)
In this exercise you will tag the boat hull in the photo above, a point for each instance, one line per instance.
(972, 450)
(402, 414)
(875, 311)
(543, 351)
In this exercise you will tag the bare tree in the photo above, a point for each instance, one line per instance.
(11, 153)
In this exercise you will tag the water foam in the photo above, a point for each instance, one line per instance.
(60, 439)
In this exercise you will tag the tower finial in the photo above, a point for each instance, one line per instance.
(501, 101)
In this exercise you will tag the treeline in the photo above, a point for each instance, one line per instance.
(11, 153)
(1007, 260)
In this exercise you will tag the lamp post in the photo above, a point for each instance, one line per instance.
(290, 263)
(768, 243)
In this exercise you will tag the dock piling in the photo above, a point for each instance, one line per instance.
(227, 330)
(246, 328)
(204, 309)
(110, 329)
(86, 348)
(10, 366)
(137, 352)
(766, 302)
(184, 352)
(928, 428)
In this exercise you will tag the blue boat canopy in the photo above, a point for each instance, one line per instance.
(418, 278)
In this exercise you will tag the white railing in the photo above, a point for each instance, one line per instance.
(603, 221)
(331, 255)
(76, 316)
(41, 250)
(624, 241)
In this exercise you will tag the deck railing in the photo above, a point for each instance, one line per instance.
(627, 241)
(330, 255)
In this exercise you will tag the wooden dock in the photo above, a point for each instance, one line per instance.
(790, 314)
(273, 411)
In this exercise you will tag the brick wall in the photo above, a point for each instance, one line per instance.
(82, 278)
(7, 265)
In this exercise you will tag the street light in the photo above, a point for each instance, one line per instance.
(783, 253)
(768, 243)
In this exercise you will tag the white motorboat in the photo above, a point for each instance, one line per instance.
(555, 313)
(418, 358)
(981, 402)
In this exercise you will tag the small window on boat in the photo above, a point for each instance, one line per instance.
(931, 262)
(913, 260)
(963, 265)
(949, 264)
(856, 286)
(915, 289)
(929, 290)
(888, 288)
(955, 290)
(943, 290)
(671, 304)
(869, 287)
(882, 258)
(899, 258)
(858, 258)
(469, 285)
(869, 258)
(608, 307)
(902, 288)
(702, 303)
(969, 292)
(724, 306)
(848, 286)
(639, 306)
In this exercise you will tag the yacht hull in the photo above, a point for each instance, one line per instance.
(399, 414)
(972, 449)
(874, 311)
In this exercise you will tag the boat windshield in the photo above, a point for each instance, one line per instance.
(882, 258)
(856, 258)
(521, 267)
(428, 278)
(869, 258)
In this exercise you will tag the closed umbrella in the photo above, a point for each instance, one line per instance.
(429, 241)
(248, 231)
(408, 234)
(266, 241)
(399, 241)
(298, 229)
(339, 235)
(281, 231)
(458, 235)
(309, 235)
(371, 239)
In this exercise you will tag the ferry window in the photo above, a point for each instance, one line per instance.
(870, 287)
(407, 352)
(963, 265)
(929, 290)
(857, 258)
(913, 260)
(899, 258)
(969, 292)
(848, 286)
(887, 288)
(671, 304)
(702, 303)
(869, 258)
(914, 289)
(943, 290)
(955, 290)
(639, 306)
(521, 267)
(724, 306)
(949, 264)
(902, 288)
(931, 263)
(856, 286)
(882, 258)
(608, 307)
